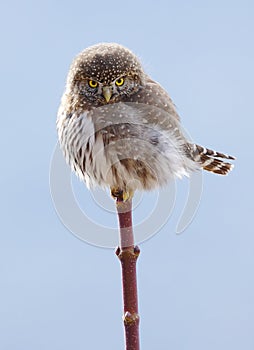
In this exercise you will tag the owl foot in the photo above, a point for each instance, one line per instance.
(120, 195)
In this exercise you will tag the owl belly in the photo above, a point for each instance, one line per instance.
(123, 155)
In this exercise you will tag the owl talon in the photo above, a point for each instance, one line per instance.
(120, 195)
(116, 193)
(127, 195)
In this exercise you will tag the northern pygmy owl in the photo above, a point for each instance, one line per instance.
(118, 128)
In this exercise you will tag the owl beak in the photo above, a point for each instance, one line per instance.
(107, 93)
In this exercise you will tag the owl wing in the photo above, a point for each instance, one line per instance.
(162, 113)
(152, 93)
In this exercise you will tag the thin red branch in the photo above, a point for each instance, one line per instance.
(128, 255)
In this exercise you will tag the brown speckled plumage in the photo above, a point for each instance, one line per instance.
(119, 128)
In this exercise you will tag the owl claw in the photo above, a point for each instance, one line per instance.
(120, 195)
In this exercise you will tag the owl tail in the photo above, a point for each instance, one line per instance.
(210, 161)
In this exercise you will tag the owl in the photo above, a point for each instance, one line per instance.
(119, 129)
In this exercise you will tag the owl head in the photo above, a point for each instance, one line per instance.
(103, 74)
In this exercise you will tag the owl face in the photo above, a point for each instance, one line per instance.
(102, 93)
(104, 74)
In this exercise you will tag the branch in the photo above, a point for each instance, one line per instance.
(128, 255)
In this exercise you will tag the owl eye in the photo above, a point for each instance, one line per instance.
(119, 82)
(93, 84)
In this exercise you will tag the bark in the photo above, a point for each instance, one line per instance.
(128, 254)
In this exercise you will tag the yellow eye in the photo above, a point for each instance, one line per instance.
(93, 84)
(119, 82)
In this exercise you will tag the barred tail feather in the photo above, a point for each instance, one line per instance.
(210, 161)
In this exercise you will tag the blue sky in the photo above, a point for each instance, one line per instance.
(195, 289)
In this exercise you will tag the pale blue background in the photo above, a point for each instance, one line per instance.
(197, 289)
